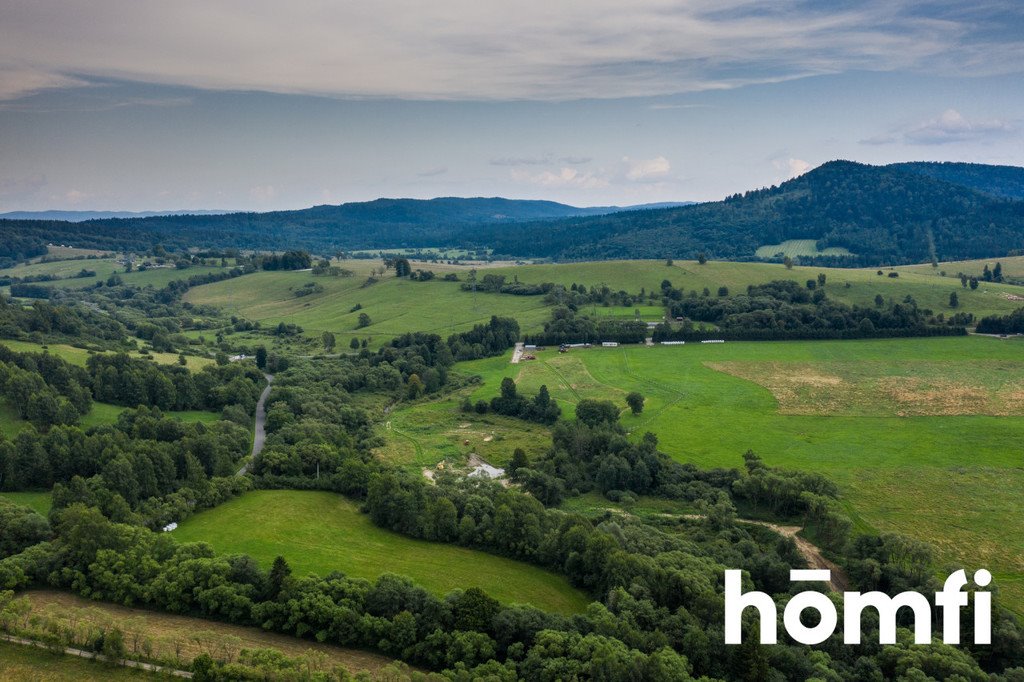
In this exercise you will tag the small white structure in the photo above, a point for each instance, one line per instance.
(673, 343)
(170, 526)
(713, 341)
(609, 344)
(530, 346)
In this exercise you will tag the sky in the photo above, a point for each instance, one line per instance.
(258, 105)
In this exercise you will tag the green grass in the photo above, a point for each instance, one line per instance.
(40, 502)
(105, 413)
(395, 306)
(954, 480)
(424, 434)
(929, 290)
(20, 663)
(78, 356)
(104, 267)
(100, 414)
(794, 248)
(320, 532)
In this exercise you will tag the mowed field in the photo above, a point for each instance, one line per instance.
(395, 306)
(320, 532)
(923, 436)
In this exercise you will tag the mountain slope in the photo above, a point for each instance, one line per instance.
(882, 215)
(999, 181)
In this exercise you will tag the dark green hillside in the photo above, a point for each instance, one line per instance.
(999, 181)
(383, 223)
(880, 214)
(891, 215)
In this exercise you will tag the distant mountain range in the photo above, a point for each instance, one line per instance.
(81, 216)
(902, 213)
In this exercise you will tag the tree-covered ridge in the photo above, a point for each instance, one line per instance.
(999, 181)
(904, 213)
(881, 215)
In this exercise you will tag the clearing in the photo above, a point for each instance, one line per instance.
(320, 532)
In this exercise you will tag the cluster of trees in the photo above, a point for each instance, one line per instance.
(485, 340)
(57, 321)
(289, 260)
(785, 310)
(120, 379)
(131, 469)
(1002, 324)
(568, 326)
(43, 388)
(541, 408)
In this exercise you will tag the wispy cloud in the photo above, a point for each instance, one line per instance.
(645, 170)
(433, 172)
(949, 127)
(464, 49)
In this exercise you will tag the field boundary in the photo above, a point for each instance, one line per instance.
(82, 653)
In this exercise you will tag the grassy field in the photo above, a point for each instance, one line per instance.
(101, 413)
(928, 288)
(909, 429)
(103, 267)
(20, 663)
(395, 306)
(40, 502)
(78, 356)
(439, 431)
(794, 248)
(191, 636)
(320, 532)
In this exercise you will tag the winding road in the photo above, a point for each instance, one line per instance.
(259, 427)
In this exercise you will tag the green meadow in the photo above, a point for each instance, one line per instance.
(78, 356)
(922, 436)
(852, 286)
(320, 532)
(39, 501)
(395, 306)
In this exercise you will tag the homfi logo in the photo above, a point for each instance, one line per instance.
(951, 599)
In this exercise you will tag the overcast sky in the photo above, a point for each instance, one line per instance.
(252, 104)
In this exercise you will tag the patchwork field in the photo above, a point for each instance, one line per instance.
(320, 532)
(103, 267)
(795, 248)
(910, 430)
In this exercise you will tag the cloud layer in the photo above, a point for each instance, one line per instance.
(467, 49)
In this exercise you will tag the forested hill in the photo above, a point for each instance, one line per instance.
(382, 223)
(999, 181)
(904, 213)
(882, 215)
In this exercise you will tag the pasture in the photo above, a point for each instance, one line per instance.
(395, 306)
(923, 436)
(851, 286)
(103, 268)
(78, 356)
(320, 532)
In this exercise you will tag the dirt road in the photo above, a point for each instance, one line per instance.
(259, 427)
